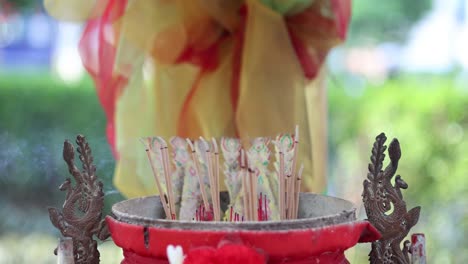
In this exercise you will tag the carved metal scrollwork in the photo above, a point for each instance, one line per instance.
(385, 206)
(81, 214)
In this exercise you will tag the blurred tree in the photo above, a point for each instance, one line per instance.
(385, 20)
(18, 4)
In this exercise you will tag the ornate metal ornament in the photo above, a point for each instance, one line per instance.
(385, 206)
(80, 217)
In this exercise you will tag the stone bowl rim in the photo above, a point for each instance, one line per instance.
(345, 216)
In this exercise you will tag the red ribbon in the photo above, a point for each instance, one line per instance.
(98, 54)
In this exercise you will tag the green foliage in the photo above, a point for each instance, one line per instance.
(385, 20)
(21, 4)
(37, 113)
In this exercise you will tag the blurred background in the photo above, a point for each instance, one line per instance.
(402, 71)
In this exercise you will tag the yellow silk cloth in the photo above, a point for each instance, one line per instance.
(160, 99)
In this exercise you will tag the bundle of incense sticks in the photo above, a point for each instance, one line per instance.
(191, 189)
(289, 179)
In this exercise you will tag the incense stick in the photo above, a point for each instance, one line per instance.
(253, 196)
(289, 196)
(294, 190)
(197, 171)
(216, 171)
(242, 182)
(250, 191)
(253, 190)
(298, 187)
(214, 201)
(245, 186)
(281, 186)
(260, 207)
(209, 168)
(155, 174)
(211, 177)
(245, 193)
(168, 174)
(168, 181)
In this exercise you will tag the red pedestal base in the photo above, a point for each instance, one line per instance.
(314, 245)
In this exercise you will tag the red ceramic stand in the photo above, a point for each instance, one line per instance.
(325, 228)
(318, 245)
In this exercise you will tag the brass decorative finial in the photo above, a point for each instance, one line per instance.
(81, 214)
(385, 206)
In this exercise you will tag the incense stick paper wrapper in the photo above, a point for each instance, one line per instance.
(284, 143)
(191, 195)
(255, 192)
(259, 155)
(155, 167)
(181, 158)
(156, 160)
(230, 148)
(202, 150)
(283, 166)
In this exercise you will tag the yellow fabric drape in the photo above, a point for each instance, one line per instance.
(274, 94)
(75, 10)
(272, 98)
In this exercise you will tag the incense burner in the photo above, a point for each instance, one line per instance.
(325, 227)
